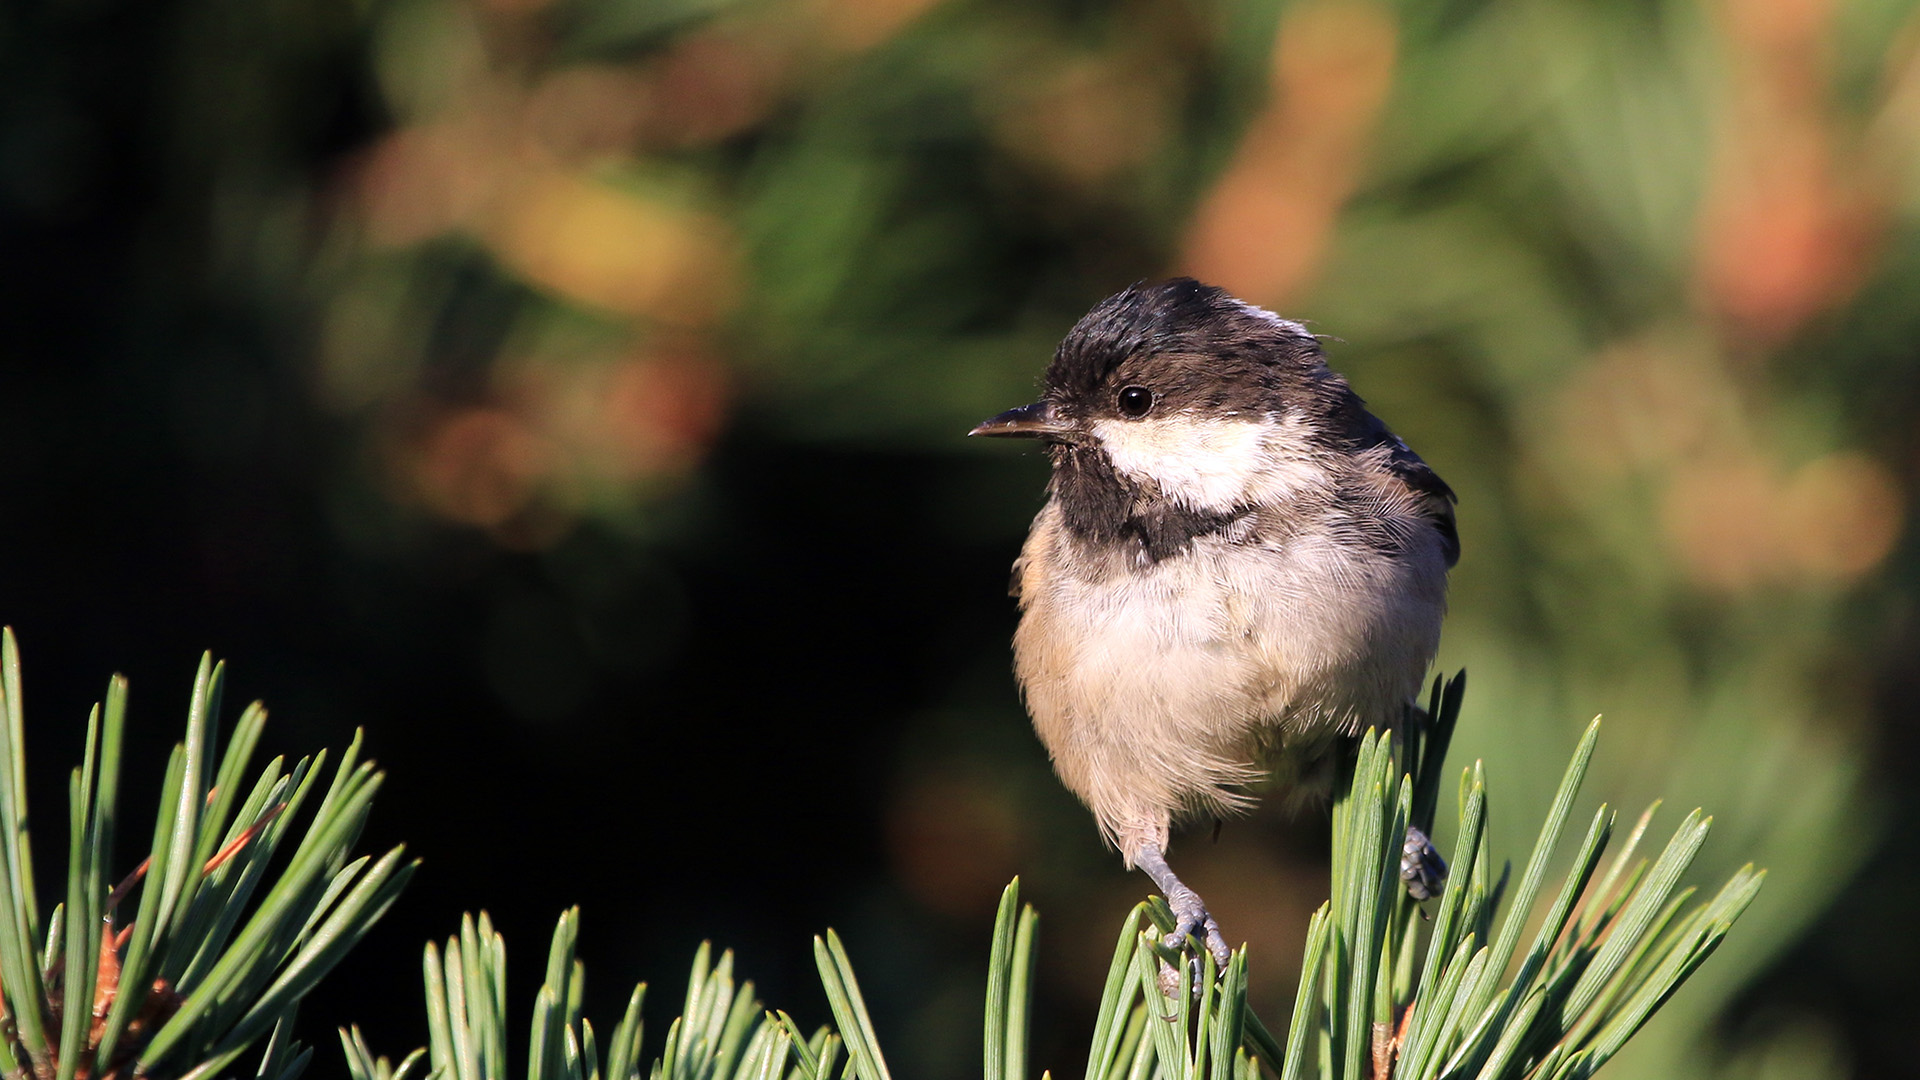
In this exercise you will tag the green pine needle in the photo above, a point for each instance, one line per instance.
(1380, 986)
(180, 983)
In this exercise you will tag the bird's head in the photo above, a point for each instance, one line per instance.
(1176, 390)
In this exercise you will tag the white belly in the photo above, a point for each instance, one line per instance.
(1156, 688)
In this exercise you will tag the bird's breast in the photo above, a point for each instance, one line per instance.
(1229, 636)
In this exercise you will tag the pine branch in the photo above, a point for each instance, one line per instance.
(183, 981)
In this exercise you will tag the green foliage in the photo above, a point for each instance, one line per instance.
(717, 1036)
(1587, 981)
(1384, 990)
(200, 970)
(1374, 1001)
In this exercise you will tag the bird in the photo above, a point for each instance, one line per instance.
(1237, 567)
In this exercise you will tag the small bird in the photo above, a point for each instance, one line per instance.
(1237, 566)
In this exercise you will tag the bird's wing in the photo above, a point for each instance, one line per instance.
(1434, 497)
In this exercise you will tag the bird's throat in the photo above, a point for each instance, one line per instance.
(1102, 507)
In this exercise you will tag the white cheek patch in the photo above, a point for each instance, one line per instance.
(1210, 464)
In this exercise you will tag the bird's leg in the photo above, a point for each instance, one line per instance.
(1190, 915)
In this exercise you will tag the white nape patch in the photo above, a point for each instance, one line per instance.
(1267, 316)
(1211, 464)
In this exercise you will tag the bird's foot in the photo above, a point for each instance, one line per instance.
(1190, 917)
(1421, 867)
(1190, 920)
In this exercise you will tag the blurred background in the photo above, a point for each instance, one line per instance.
(571, 392)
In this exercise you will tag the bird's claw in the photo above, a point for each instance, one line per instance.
(1190, 918)
(1421, 867)
(1192, 921)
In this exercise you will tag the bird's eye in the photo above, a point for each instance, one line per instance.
(1135, 401)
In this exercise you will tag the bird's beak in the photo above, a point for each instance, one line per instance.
(1035, 421)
